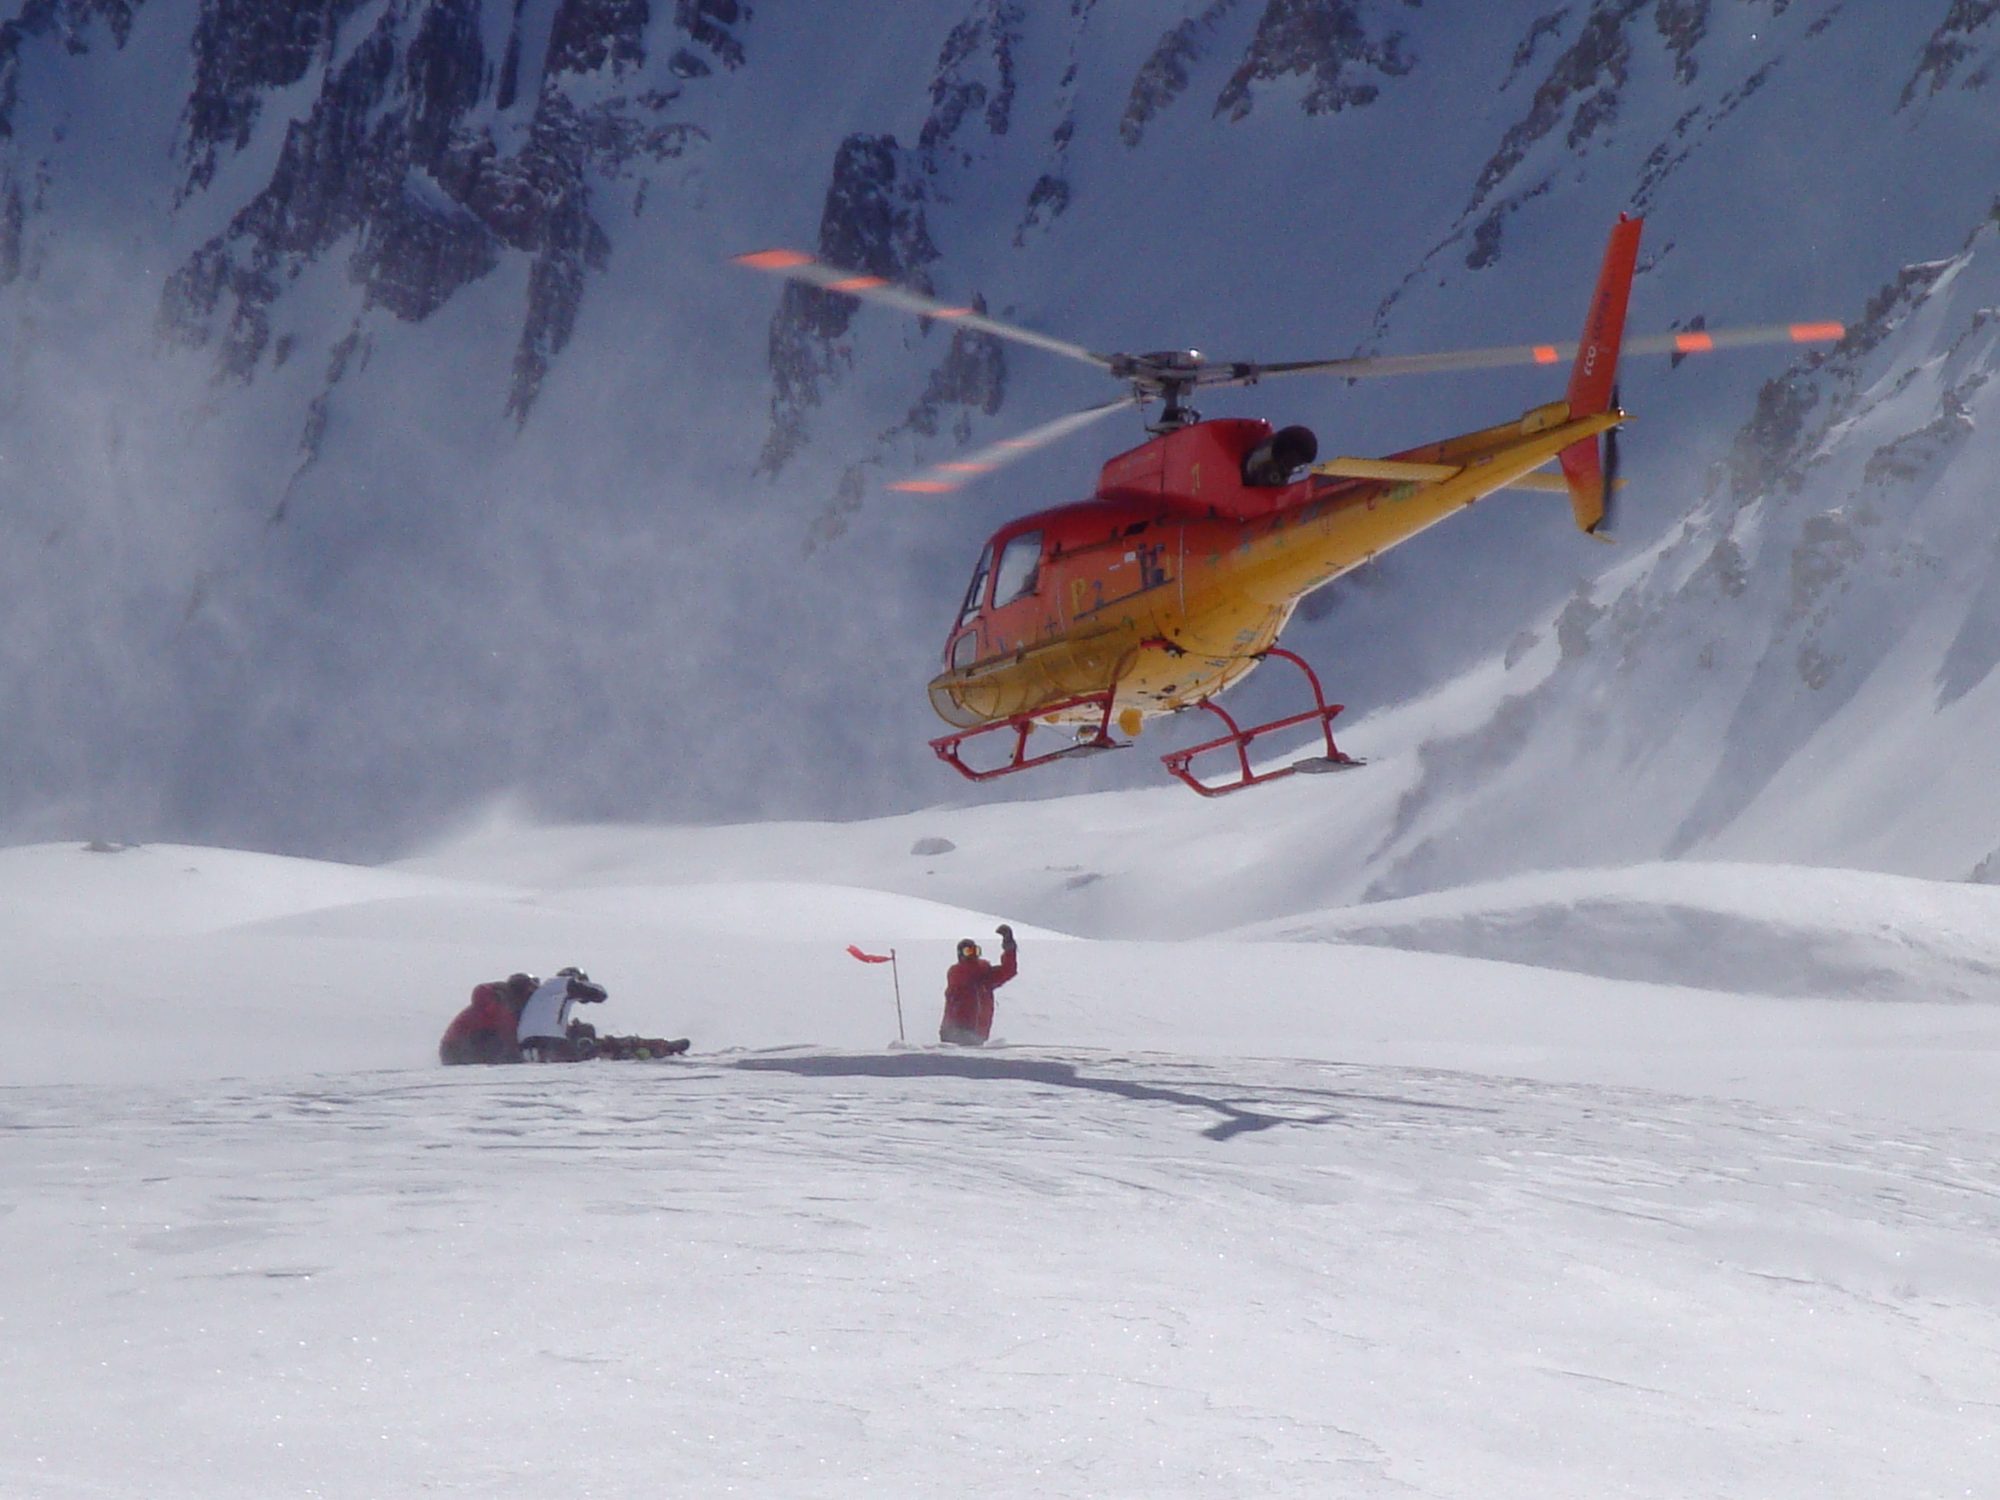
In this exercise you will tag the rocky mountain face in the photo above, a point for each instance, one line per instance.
(1803, 669)
(423, 160)
(330, 318)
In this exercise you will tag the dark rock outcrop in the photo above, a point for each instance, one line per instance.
(243, 49)
(1165, 75)
(1950, 47)
(72, 21)
(872, 222)
(390, 164)
(1324, 41)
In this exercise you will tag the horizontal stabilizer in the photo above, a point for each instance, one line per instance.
(1397, 470)
(1550, 484)
(1386, 468)
(1547, 484)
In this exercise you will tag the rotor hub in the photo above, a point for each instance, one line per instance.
(1156, 372)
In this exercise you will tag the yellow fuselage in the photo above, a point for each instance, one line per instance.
(1165, 595)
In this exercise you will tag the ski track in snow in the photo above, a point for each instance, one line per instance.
(808, 1272)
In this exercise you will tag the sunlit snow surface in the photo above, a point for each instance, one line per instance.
(1226, 1216)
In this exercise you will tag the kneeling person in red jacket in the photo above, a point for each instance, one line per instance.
(485, 1031)
(968, 991)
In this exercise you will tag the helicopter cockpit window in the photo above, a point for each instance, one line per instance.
(1020, 563)
(975, 593)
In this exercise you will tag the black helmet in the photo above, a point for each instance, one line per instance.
(967, 948)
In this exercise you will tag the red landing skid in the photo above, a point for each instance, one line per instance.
(1099, 738)
(1020, 760)
(1240, 740)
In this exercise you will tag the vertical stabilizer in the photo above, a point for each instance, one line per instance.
(1596, 370)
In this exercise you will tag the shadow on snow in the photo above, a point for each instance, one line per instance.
(1236, 1118)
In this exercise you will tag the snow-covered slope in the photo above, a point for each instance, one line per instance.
(1767, 929)
(1020, 1274)
(1801, 670)
(173, 962)
(1223, 1215)
(382, 407)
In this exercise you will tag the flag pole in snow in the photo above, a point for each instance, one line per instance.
(895, 974)
(896, 978)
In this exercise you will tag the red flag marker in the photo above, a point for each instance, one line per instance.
(895, 974)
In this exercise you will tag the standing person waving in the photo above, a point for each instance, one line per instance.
(968, 991)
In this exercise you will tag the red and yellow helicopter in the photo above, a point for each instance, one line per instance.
(1178, 575)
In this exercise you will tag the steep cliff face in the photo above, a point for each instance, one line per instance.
(1577, 65)
(1342, 51)
(429, 161)
(1330, 46)
(1804, 668)
(1960, 53)
(378, 377)
(874, 220)
(423, 159)
(876, 201)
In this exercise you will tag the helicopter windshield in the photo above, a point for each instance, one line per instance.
(975, 594)
(1020, 566)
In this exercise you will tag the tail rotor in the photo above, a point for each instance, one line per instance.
(1611, 465)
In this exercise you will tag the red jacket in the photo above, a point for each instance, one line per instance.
(968, 993)
(484, 1030)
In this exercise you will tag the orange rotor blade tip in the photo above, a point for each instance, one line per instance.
(965, 468)
(1694, 343)
(1813, 333)
(774, 260)
(952, 312)
(924, 486)
(1545, 354)
(857, 284)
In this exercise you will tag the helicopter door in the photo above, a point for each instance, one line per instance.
(1016, 617)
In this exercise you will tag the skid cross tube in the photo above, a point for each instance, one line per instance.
(1240, 739)
(1022, 724)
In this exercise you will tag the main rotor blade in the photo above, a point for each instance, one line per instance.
(796, 265)
(942, 479)
(1692, 341)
